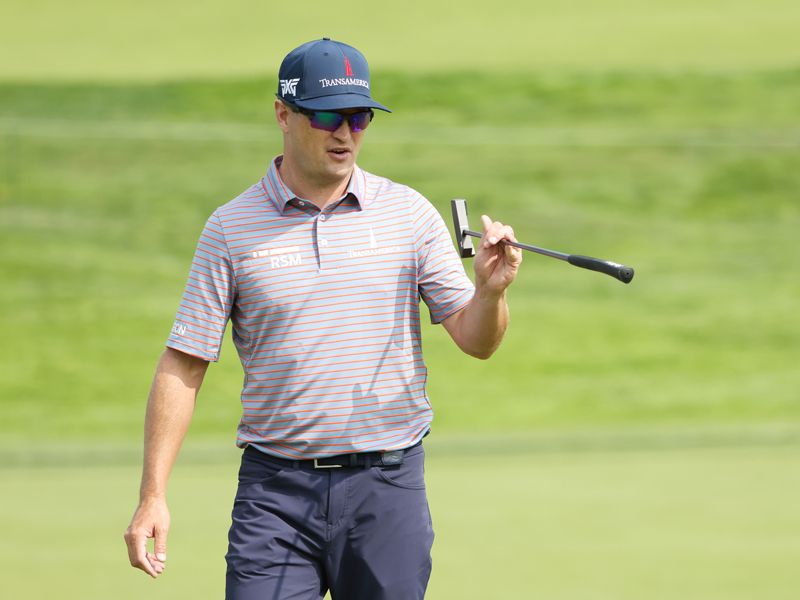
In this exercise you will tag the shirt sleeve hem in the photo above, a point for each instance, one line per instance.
(453, 308)
(192, 351)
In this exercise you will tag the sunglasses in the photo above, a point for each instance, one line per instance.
(328, 120)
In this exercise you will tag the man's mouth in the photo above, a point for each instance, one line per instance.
(341, 155)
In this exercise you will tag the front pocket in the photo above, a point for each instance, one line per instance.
(256, 471)
(401, 483)
(409, 475)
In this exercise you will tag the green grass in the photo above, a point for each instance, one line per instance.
(626, 442)
(88, 39)
(688, 177)
(715, 523)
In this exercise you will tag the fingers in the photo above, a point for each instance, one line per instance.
(496, 262)
(158, 565)
(151, 520)
(137, 551)
(494, 232)
(159, 558)
(160, 545)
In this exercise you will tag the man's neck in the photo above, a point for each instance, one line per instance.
(320, 193)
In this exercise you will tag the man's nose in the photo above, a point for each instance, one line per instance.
(343, 133)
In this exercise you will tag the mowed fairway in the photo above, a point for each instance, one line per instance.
(701, 524)
(143, 40)
(626, 442)
(691, 179)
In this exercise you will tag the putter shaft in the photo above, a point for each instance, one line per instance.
(521, 246)
(616, 270)
(467, 250)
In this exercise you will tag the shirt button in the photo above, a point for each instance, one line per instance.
(323, 243)
(322, 217)
(300, 203)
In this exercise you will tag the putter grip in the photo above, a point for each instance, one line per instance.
(621, 272)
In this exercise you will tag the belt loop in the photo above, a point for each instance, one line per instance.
(353, 460)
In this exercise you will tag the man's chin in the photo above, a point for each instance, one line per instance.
(341, 170)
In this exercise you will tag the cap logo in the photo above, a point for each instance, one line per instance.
(348, 70)
(289, 86)
(344, 81)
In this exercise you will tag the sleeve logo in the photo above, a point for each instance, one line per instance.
(289, 86)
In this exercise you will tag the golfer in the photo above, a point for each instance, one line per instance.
(320, 267)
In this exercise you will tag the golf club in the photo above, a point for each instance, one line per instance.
(467, 250)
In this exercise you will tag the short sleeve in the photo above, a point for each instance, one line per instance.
(208, 297)
(443, 284)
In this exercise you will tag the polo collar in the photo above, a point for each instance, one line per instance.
(280, 195)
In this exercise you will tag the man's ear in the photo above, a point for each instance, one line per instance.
(282, 115)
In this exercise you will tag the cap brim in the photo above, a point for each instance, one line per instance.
(339, 102)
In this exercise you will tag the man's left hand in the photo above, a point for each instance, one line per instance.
(496, 263)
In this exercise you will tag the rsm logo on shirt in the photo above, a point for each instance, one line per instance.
(285, 260)
(281, 257)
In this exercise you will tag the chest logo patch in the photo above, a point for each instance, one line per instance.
(374, 249)
(281, 257)
(285, 260)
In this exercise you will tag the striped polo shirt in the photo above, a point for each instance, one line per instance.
(325, 312)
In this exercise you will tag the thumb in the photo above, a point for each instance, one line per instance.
(160, 543)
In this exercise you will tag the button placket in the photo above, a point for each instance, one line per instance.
(320, 240)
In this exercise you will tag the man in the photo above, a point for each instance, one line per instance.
(320, 267)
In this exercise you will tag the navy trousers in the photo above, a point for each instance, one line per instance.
(297, 532)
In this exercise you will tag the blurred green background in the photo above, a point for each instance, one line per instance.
(625, 442)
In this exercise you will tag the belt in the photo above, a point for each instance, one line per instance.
(362, 460)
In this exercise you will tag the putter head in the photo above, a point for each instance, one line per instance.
(461, 223)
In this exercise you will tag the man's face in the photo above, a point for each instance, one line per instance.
(322, 157)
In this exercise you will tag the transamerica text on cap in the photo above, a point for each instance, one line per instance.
(344, 81)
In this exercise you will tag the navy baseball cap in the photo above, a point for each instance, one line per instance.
(326, 75)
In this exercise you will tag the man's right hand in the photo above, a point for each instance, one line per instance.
(169, 411)
(151, 520)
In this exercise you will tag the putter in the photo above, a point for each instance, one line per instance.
(467, 250)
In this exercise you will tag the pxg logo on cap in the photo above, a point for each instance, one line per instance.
(326, 75)
(289, 86)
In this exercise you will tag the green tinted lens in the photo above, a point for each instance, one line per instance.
(329, 121)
